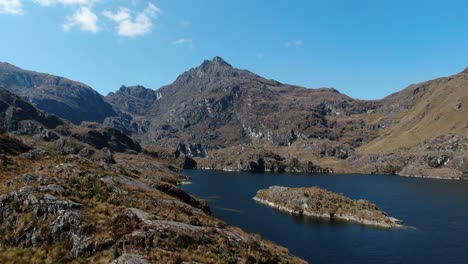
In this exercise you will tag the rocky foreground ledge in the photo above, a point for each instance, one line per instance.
(318, 202)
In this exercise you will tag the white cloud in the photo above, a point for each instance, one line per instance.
(63, 2)
(294, 43)
(184, 41)
(84, 19)
(11, 7)
(121, 15)
(138, 26)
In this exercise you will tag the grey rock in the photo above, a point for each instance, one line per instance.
(28, 178)
(130, 259)
(65, 222)
(142, 215)
(193, 150)
(82, 246)
(113, 180)
(54, 188)
(49, 197)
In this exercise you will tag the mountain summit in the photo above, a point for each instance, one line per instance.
(218, 62)
(218, 105)
(212, 71)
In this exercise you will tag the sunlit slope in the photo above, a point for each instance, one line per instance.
(435, 108)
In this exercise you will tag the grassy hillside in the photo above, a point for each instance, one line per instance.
(439, 109)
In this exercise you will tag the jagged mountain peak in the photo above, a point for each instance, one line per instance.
(465, 71)
(216, 70)
(215, 65)
(134, 90)
(220, 61)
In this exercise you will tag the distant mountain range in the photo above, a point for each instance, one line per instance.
(232, 119)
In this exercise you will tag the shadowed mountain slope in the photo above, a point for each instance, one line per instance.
(68, 99)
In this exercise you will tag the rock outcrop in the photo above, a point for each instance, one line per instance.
(136, 100)
(67, 207)
(16, 114)
(260, 158)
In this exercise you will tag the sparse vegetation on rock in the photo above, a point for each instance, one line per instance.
(316, 202)
(93, 195)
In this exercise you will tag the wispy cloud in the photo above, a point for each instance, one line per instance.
(184, 42)
(84, 19)
(133, 27)
(64, 2)
(294, 44)
(13, 7)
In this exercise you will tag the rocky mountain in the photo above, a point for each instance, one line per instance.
(234, 119)
(34, 126)
(134, 99)
(14, 111)
(68, 99)
(425, 111)
(91, 194)
(219, 106)
(108, 190)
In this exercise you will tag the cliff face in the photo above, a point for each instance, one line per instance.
(13, 110)
(68, 99)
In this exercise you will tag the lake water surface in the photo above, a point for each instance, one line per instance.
(437, 211)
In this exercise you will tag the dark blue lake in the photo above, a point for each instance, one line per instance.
(437, 211)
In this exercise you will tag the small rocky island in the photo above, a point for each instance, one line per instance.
(317, 202)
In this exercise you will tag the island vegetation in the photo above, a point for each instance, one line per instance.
(317, 202)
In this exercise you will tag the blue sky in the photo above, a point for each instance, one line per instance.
(366, 49)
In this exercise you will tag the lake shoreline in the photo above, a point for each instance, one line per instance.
(342, 173)
(326, 216)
